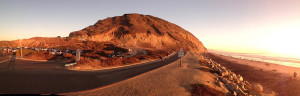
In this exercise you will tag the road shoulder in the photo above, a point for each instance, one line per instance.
(168, 80)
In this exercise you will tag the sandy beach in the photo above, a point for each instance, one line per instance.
(273, 77)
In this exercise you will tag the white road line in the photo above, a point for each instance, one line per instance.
(4, 60)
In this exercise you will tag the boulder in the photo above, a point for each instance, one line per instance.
(225, 81)
(240, 78)
(241, 85)
(235, 80)
(233, 74)
(257, 88)
(240, 92)
(253, 93)
(232, 87)
(247, 85)
(230, 77)
(234, 93)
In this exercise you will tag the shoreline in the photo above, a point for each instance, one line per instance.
(273, 77)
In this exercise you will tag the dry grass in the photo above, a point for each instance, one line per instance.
(91, 55)
(112, 62)
(157, 53)
(88, 63)
(204, 90)
(41, 56)
(25, 52)
(69, 57)
(145, 57)
(130, 60)
(108, 62)
(92, 61)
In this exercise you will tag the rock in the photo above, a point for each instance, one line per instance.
(240, 92)
(253, 93)
(222, 85)
(216, 74)
(223, 67)
(271, 94)
(257, 88)
(232, 87)
(232, 74)
(235, 80)
(234, 93)
(247, 85)
(219, 83)
(225, 81)
(240, 78)
(230, 77)
(241, 85)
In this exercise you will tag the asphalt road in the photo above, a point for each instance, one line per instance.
(51, 77)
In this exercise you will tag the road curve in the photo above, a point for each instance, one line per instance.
(39, 78)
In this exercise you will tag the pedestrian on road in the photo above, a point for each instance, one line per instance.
(160, 57)
(11, 65)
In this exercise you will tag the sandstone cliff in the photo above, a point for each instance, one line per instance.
(141, 31)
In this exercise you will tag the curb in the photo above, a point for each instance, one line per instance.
(70, 64)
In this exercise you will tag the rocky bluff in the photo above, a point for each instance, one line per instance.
(141, 31)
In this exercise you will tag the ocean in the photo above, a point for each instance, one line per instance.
(264, 57)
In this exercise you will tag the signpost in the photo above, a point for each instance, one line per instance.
(78, 55)
(21, 47)
(181, 54)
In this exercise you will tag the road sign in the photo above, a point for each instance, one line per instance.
(181, 53)
(78, 55)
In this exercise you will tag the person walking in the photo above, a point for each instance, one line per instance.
(11, 65)
(160, 57)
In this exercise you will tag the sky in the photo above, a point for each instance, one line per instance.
(227, 25)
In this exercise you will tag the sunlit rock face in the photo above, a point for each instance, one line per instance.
(141, 31)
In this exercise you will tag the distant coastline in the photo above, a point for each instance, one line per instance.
(263, 57)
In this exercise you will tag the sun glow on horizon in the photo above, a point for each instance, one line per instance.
(280, 39)
(283, 39)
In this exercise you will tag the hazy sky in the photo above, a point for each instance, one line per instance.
(239, 25)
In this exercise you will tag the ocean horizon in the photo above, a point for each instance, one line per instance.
(263, 57)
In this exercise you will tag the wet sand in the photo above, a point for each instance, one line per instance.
(273, 77)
